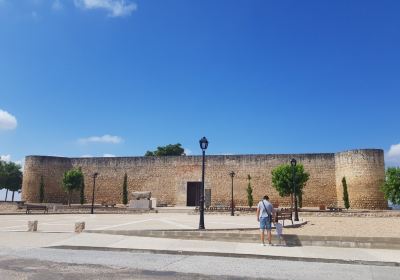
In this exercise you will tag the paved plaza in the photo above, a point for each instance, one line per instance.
(56, 250)
(151, 221)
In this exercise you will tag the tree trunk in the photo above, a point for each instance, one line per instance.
(12, 197)
(69, 199)
(6, 195)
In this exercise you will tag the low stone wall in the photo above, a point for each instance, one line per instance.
(8, 207)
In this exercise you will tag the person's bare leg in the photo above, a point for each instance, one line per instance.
(269, 236)
(262, 236)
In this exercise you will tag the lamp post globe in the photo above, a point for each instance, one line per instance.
(293, 163)
(232, 174)
(94, 187)
(203, 145)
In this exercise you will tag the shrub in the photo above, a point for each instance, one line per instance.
(41, 190)
(249, 191)
(125, 190)
(82, 193)
(345, 194)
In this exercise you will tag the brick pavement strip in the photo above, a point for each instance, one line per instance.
(230, 255)
(242, 236)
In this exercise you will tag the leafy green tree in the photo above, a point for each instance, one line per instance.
(249, 191)
(125, 190)
(72, 181)
(41, 190)
(282, 179)
(168, 150)
(345, 194)
(391, 187)
(10, 177)
(82, 192)
(2, 175)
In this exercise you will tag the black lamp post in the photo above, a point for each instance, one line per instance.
(203, 145)
(293, 163)
(94, 186)
(232, 174)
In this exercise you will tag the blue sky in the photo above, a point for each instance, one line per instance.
(113, 77)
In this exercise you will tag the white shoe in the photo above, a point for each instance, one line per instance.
(263, 244)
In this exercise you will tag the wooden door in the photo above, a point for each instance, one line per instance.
(193, 193)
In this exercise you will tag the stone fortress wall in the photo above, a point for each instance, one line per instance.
(167, 177)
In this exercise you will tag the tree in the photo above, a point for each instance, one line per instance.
(249, 191)
(168, 150)
(391, 187)
(2, 176)
(10, 177)
(125, 190)
(41, 190)
(282, 179)
(72, 181)
(82, 192)
(345, 194)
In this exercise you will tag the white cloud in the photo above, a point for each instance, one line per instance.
(187, 152)
(116, 8)
(394, 151)
(5, 158)
(7, 121)
(393, 155)
(108, 155)
(57, 5)
(21, 163)
(86, 156)
(101, 139)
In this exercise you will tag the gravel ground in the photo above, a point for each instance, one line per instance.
(348, 226)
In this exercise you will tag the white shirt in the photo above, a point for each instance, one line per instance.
(278, 227)
(265, 210)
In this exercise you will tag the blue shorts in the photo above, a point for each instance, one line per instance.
(265, 223)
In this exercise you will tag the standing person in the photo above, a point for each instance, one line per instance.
(279, 229)
(264, 217)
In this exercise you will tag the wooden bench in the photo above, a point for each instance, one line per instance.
(30, 207)
(335, 209)
(105, 204)
(111, 205)
(284, 214)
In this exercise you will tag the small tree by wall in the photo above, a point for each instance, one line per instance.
(282, 180)
(72, 181)
(345, 194)
(10, 177)
(249, 191)
(82, 193)
(391, 187)
(125, 190)
(41, 190)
